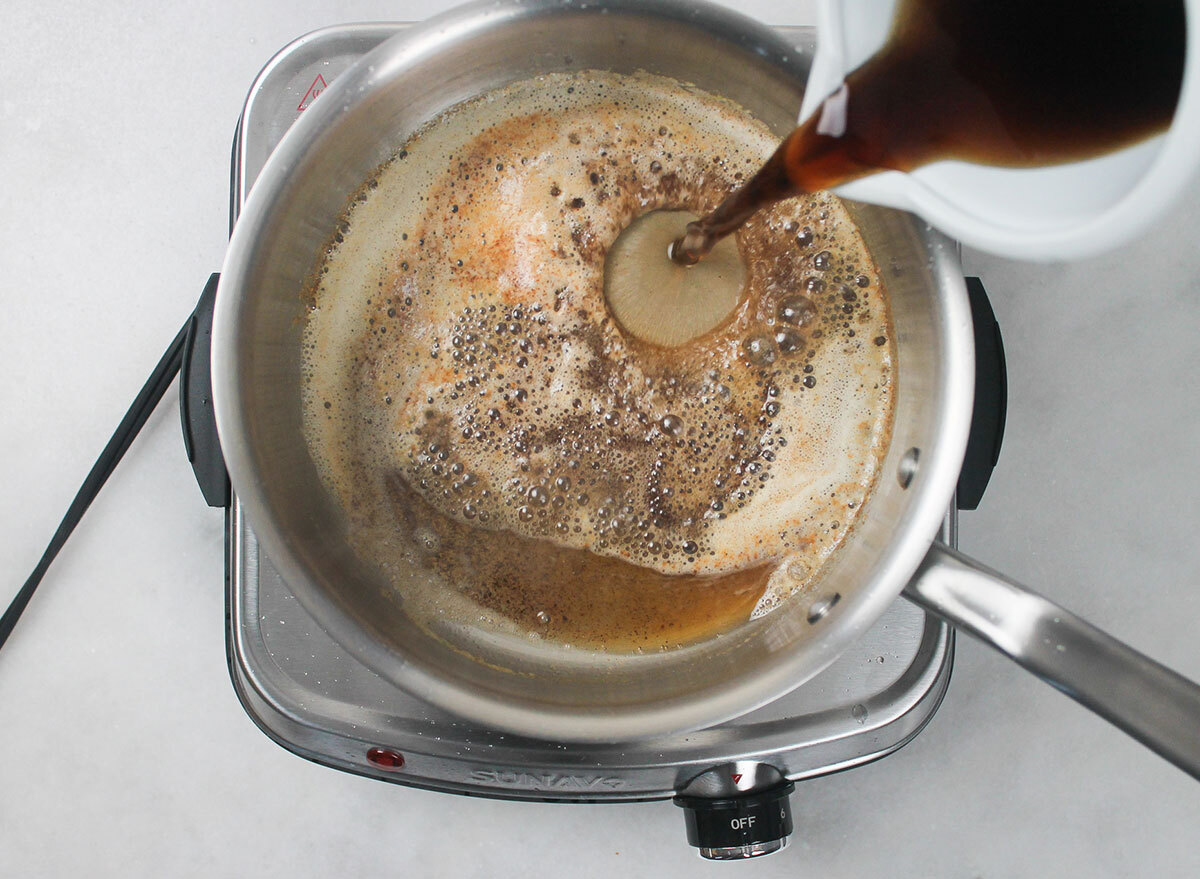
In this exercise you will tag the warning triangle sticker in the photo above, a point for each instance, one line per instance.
(314, 91)
(736, 776)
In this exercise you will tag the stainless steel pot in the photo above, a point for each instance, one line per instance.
(582, 695)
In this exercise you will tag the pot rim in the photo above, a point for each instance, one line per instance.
(931, 493)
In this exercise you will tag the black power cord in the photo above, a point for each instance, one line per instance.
(160, 379)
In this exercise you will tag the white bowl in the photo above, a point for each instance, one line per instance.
(1063, 212)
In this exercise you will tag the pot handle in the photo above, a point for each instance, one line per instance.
(1158, 707)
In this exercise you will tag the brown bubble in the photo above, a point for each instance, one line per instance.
(759, 350)
(789, 341)
(797, 310)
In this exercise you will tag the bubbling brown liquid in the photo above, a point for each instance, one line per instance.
(507, 453)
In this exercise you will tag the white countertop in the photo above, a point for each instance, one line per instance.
(125, 751)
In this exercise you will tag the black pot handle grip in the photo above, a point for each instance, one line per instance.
(196, 405)
(991, 401)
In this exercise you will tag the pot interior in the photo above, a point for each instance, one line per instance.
(545, 690)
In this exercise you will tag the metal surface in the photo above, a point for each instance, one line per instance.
(299, 194)
(741, 852)
(320, 702)
(313, 698)
(1155, 705)
(731, 779)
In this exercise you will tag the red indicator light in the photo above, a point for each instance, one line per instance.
(386, 759)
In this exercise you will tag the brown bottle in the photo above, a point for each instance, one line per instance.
(1019, 83)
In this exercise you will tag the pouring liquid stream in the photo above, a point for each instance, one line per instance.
(1026, 83)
